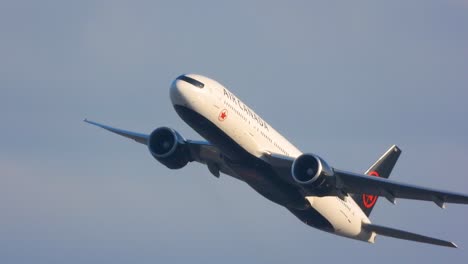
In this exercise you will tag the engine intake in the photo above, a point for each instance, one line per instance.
(169, 148)
(310, 169)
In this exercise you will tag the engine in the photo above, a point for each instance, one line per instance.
(169, 148)
(311, 171)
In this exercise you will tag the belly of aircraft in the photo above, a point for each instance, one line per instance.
(325, 213)
(255, 172)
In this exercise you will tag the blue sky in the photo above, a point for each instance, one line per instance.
(343, 79)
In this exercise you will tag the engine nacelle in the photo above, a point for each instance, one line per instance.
(312, 171)
(169, 148)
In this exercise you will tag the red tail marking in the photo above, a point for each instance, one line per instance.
(367, 199)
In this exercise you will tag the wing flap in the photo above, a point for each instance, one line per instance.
(205, 153)
(400, 234)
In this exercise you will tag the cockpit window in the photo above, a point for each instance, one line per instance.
(191, 81)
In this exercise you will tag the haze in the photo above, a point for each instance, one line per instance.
(343, 79)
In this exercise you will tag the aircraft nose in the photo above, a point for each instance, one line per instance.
(177, 92)
(186, 90)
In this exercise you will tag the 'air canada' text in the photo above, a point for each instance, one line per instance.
(245, 109)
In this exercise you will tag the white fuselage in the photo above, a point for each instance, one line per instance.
(221, 107)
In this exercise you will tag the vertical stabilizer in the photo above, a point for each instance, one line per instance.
(381, 168)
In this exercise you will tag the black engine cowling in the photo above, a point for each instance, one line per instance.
(169, 148)
(312, 171)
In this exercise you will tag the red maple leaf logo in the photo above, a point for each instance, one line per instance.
(223, 115)
(367, 199)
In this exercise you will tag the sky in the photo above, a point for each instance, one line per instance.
(342, 79)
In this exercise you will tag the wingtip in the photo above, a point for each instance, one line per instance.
(86, 120)
(91, 122)
(453, 245)
(396, 148)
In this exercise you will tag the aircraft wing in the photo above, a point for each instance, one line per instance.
(363, 184)
(200, 151)
(348, 182)
(138, 137)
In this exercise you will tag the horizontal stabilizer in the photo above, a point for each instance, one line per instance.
(395, 233)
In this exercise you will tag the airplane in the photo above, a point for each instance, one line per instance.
(239, 143)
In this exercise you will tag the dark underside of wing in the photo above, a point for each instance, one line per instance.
(357, 183)
(200, 151)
